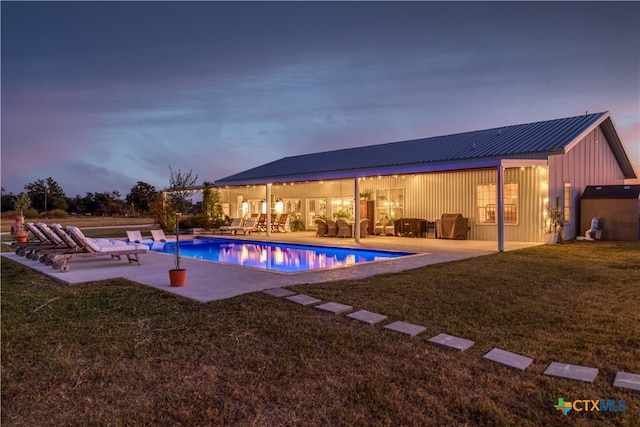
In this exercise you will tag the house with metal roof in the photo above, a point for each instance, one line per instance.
(504, 180)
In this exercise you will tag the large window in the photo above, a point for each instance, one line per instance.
(487, 203)
(389, 203)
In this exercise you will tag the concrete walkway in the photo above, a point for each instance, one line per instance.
(209, 281)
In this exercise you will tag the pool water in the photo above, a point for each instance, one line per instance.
(286, 258)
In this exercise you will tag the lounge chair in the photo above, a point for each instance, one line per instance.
(39, 240)
(323, 228)
(332, 228)
(90, 248)
(136, 237)
(344, 229)
(158, 236)
(261, 225)
(58, 245)
(248, 226)
(235, 223)
(281, 225)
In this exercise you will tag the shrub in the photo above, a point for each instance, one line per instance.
(57, 213)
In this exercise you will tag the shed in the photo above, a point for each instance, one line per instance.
(617, 208)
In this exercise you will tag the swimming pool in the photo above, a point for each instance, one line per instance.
(282, 257)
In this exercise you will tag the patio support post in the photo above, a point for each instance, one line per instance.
(268, 199)
(356, 209)
(500, 215)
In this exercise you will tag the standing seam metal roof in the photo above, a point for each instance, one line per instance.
(533, 141)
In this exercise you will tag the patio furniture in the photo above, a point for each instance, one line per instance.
(136, 237)
(452, 226)
(344, 228)
(383, 227)
(410, 227)
(281, 225)
(332, 228)
(364, 228)
(91, 248)
(158, 236)
(248, 226)
(235, 223)
(323, 228)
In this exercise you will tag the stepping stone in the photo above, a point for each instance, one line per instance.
(571, 372)
(303, 299)
(627, 380)
(334, 307)
(506, 358)
(406, 328)
(279, 292)
(452, 342)
(367, 317)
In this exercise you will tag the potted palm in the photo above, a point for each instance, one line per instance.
(179, 195)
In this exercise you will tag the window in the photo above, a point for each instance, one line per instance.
(389, 203)
(487, 203)
(567, 203)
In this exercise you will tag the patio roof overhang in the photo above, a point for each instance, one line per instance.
(382, 171)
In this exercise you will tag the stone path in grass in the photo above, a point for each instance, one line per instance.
(506, 358)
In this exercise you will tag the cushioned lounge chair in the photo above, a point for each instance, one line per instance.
(38, 241)
(235, 223)
(90, 248)
(248, 227)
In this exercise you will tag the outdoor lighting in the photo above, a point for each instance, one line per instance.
(279, 206)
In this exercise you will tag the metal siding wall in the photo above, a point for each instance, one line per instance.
(428, 196)
(589, 162)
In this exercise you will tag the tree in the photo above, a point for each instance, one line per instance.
(181, 190)
(46, 195)
(211, 208)
(141, 197)
(6, 200)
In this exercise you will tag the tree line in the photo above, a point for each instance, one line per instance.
(46, 195)
(45, 198)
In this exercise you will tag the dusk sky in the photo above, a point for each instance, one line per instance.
(101, 95)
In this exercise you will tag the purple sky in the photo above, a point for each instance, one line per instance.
(100, 95)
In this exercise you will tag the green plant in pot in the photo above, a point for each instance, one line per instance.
(179, 194)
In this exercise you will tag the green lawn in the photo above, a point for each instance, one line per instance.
(119, 353)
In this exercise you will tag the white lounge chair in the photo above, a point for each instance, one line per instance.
(235, 223)
(136, 237)
(249, 226)
(158, 236)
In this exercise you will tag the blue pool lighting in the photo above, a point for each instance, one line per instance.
(282, 257)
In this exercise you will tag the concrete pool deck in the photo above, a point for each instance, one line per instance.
(210, 281)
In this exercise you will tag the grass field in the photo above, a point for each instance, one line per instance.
(119, 353)
(84, 221)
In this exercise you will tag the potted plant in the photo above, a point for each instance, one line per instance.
(177, 275)
(21, 203)
(552, 225)
(179, 194)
